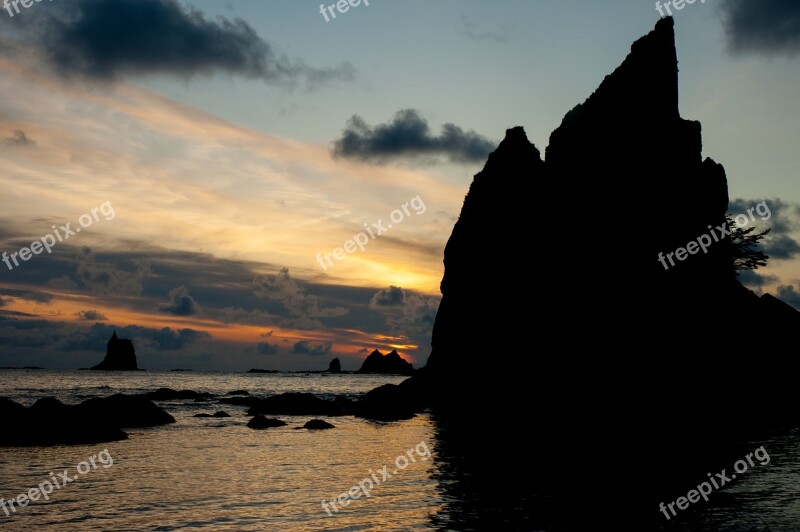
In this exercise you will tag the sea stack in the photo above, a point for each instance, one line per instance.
(335, 366)
(120, 356)
(390, 364)
(556, 306)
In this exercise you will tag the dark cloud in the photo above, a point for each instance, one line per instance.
(408, 135)
(5, 301)
(31, 333)
(763, 26)
(91, 315)
(111, 39)
(37, 297)
(304, 347)
(388, 297)
(180, 303)
(19, 138)
(416, 316)
(266, 348)
(781, 247)
(62, 283)
(5, 314)
(243, 316)
(164, 339)
(303, 309)
(784, 216)
(266, 334)
(783, 219)
(57, 337)
(407, 314)
(107, 278)
(751, 279)
(790, 294)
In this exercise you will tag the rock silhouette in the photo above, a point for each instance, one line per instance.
(260, 422)
(120, 356)
(389, 364)
(391, 402)
(335, 366)
(623, 179)
(606, 353)
(296, 404)
(168, 394)
(318, 424)
(50, 422)
(219, 413)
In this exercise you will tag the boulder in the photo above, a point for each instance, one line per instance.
(261, 422)
(122, 410)
(318, 424)
(168, 394)
(50, 422)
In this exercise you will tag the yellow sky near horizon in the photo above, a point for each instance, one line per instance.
(183, 180)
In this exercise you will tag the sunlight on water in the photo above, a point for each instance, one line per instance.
(217, 474)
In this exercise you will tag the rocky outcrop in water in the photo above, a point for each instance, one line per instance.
(50, 422)
(318, 424)
(260, 422)
(120, 356)
(389, 364)
(603, 348)
(622, 180)
(299, 404)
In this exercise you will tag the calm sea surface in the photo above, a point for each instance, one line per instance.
(216, 474)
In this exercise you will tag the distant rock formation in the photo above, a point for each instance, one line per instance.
(120, 356)
(389, 364)
(335, 366)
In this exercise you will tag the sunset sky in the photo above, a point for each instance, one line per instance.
(232, 142)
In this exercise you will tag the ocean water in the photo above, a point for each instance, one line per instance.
(217, 474)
